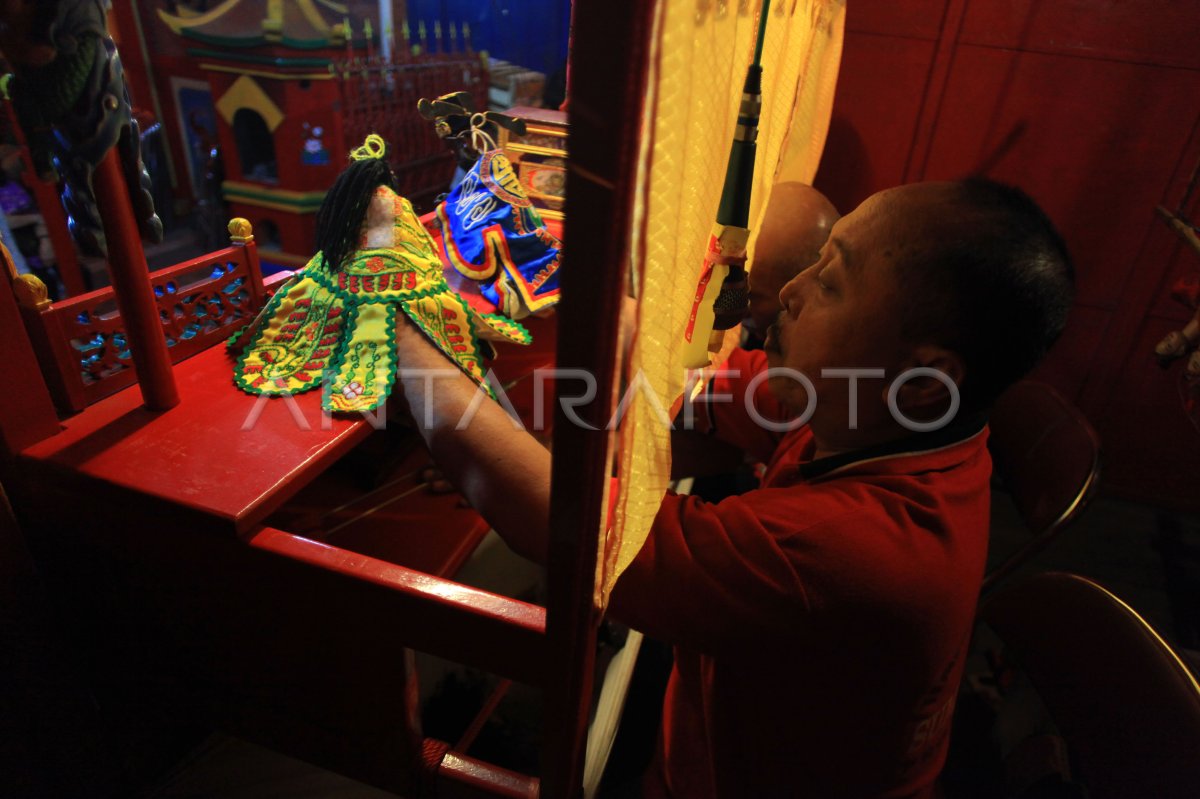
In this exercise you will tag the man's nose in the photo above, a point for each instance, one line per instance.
(791, 296)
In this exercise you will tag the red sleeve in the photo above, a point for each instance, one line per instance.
(736, 401)
(714, 577)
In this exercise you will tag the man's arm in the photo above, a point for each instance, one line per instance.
(725, 422)
(503, 472)
(711, 577)
(696, 454)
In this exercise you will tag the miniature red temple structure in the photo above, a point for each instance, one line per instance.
(177, 538)
(295, 89)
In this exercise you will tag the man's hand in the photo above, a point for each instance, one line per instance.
(435, 480)
(503, 472)
(695, 454)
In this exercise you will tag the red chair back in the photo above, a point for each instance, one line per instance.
(1123, 700)
(1047, 455)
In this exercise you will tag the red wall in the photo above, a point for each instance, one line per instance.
(1093, 108)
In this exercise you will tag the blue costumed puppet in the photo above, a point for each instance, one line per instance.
(490, 230)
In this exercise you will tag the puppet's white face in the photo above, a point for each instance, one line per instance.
(381, 217)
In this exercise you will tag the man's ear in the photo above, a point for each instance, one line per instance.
(929, 392)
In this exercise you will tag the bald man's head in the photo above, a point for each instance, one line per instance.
(794, 229)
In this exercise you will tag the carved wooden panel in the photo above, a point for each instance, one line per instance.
(381, 96)
(200, 303)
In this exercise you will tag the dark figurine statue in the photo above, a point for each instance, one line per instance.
(69, 92)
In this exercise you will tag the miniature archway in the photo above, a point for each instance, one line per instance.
(268, 233)
(255, 146)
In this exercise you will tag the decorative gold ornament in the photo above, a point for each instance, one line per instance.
(240, 231)
(31, 292)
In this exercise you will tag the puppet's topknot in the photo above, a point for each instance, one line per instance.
(342, 212)
(372, 147)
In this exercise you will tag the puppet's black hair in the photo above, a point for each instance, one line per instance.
(342, 212)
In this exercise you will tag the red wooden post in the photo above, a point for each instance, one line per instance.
(131, 284)
(46, 196)
(26, 411)
(612, 44)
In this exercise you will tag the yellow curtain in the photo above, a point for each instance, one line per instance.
(701, 49)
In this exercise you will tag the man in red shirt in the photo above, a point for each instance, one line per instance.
(820, 621)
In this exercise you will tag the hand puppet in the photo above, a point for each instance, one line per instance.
(491, 232)
(333, 325)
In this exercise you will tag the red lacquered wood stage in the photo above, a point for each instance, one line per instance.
(268, 567)
(269, 571)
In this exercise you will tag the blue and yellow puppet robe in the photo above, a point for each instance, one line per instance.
(492, 233)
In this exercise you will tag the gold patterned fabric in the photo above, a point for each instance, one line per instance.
(700, 51)
(336, 329)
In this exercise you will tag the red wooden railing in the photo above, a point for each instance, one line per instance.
(82, 343)
(380, 96)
